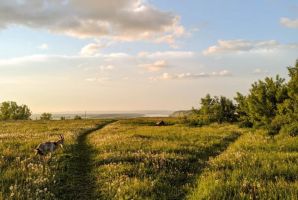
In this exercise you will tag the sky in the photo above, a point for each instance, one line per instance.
(129, 55)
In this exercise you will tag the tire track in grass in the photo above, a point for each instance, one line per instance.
(74, 180)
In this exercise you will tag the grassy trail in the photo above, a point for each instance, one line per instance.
(75, 180)
(149, 162)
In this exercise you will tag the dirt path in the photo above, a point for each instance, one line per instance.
(75, 180)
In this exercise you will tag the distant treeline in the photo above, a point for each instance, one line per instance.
(10, 110)
(271, 103)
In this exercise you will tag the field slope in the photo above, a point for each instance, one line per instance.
(133, 159)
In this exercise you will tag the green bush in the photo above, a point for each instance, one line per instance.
(46, 116)
(77, 117)
(245, 124)
(292, 129)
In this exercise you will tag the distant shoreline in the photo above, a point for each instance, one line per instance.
(95, 115)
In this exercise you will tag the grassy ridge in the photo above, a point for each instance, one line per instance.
(255, 167)
(136, 160)
(23, 175)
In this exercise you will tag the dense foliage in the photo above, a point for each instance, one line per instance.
(213, 109)
(46, 116)
(10, 110)
(271, 103)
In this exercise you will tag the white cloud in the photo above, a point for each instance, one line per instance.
(289, 23)
(20, 61)
(190, 76)
(125, 20)
(166, 54)
(44, 46)
(23, 60)
(156, 66)
(238, 46)
(91, 49)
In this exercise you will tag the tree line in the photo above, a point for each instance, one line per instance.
(10, 110)
(271, 103)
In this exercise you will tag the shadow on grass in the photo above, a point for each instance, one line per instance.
(176, 177)
(173, 187)
(74, 180)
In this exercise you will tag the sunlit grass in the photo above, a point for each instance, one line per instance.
(24, 175)
(136, 160)
(255, 167)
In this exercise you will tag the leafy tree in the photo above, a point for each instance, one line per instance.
(46, 116)
(242, 110)
(10, 110)
(292, 106)
(215, 109)
(260, 106)
(287, 116)
(77, 117)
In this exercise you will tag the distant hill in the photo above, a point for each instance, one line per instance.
(181, 113)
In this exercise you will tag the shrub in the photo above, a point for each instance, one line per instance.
(245, 124)
(292, 129)
(77, 117)
(46, 116)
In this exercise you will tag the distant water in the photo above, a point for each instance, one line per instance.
(156, 115)
(93, 115)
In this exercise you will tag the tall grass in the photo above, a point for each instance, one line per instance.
(24, 175)
(255, 167)
(136, 160)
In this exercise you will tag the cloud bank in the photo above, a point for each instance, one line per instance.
(125, 20)
(239, 45)
(190, 76)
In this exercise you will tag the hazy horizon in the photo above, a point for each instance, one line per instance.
(128, 55)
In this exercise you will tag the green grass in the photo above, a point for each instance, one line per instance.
(135, 159)
(139, 161)
(24, 175)
(254, 167)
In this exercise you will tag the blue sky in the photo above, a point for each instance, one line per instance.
(140, 55)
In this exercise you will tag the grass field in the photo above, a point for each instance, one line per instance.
(24, 175)
(254, 167)
(135, 159)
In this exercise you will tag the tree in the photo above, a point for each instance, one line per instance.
(263, 100)
(293, 92)
(216, 109)
(77, 117)
(46, 116)
(242, 110)
(10, 110)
